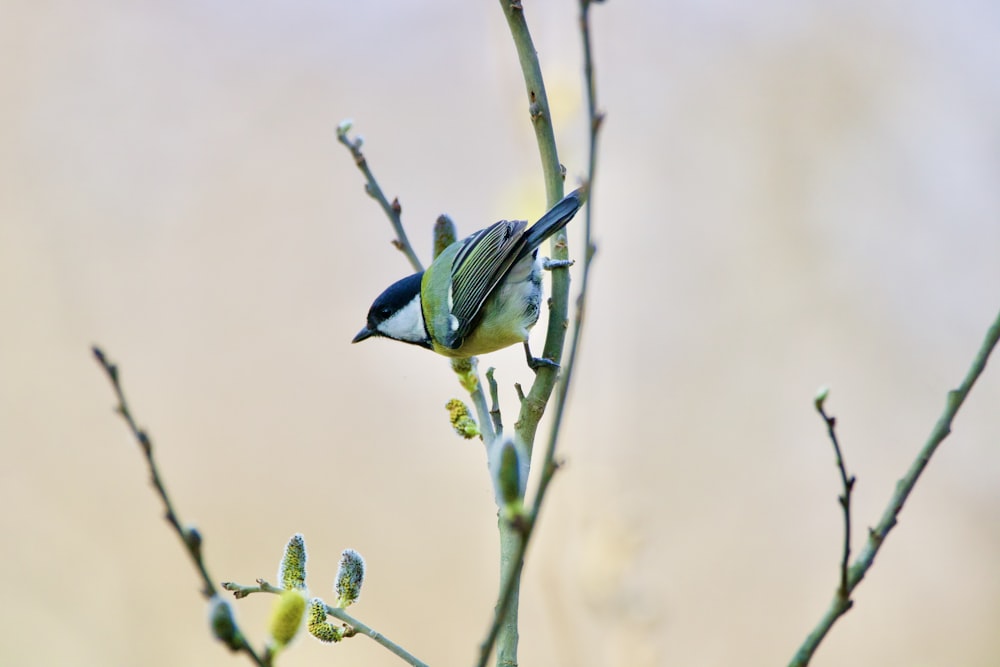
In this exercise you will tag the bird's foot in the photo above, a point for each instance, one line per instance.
(535, 363)
(548, 264)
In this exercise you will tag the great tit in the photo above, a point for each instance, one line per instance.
(480, 294)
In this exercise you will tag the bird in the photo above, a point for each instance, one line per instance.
(480, 294)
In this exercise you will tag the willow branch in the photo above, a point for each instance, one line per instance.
(190, 537)
(876, 536)
(240, 591)
(533, 405)
(375, 636)
(373, 189)
(503, 630)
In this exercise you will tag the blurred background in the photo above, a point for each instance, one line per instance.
(789, 195)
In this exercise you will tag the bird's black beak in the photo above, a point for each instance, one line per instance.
(363, 334)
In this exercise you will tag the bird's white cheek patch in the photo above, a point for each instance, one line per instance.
(407, 324)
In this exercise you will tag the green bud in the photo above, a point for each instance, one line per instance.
(510, 472)
(467, 371)
(193, 538)
(220, 616)
(444, 233)
(350, 577)
(820, 398)
(461, 420)
(318, 626)
(286, 617)
(292, 571)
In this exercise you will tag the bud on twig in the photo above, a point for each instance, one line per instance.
(292, 572)
(444, 233)
(350, 577)
(461, 420)
(318, 626)
(220, 616)
(286, 617)
(510, 477)
(820, 398)
(467, 371)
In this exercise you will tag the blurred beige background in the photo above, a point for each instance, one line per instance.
(790, 195)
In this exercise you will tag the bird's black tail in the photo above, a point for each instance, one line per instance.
(554, 219)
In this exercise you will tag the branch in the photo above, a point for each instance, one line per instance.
(876, 536)
(241, 591)
(375, 636)
(512, 544)
(392, 210)
(190, 537)
(596, 119)
(538, 103)
(845, 499)
(467, 371)
(533, 405)
(495, 402)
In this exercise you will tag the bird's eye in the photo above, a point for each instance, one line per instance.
(384, 312)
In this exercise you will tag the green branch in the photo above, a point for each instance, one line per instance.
(241, 591)
(534, 404)
(876, 536)
(514, 537)
(503, 630)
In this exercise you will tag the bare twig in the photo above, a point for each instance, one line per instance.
(495, 402)
(392, 210)
(844, 499)
(876, 536)
(190, 537)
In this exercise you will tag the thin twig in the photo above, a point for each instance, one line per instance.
(596, 119)
(189, 537)
(495, 404)
(375, 636)
(392, 210)
(483, 414)
(595, 122)
(241, 591)
(845, 499)
(876, 536)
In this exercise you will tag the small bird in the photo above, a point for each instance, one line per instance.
(479, 295)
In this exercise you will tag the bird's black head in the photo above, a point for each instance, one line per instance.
(397, 314)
